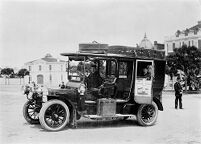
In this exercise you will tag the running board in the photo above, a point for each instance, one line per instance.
(111, 116)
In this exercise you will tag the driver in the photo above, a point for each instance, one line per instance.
(94, 80)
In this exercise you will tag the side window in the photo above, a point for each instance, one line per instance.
(102, 68)
(40, 67)
(111, 68)
(145, 70)
(123, 70)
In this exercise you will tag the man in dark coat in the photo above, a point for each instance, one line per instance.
(94, 80)
(178, 93)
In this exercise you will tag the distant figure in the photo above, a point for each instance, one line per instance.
(33, 86)
(62, 85)
(27, 89)
(178, 93)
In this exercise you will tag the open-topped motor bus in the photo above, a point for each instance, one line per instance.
(128, 82)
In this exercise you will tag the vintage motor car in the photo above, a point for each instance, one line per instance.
(105, 83)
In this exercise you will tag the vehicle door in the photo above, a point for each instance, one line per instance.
(143, 81)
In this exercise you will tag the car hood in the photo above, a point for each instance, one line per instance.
(69, 92)
(73, 84)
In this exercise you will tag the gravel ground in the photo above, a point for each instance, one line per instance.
(172, 127)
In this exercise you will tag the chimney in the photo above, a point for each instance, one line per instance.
(155, 42)
(199, 22)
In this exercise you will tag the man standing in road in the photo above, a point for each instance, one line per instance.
(178, 93)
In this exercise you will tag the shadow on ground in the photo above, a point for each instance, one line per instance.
(105, 124)
(94, 124)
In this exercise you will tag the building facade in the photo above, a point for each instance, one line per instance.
(47, 71)
(190, 37)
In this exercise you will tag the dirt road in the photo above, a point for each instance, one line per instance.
(173, 126)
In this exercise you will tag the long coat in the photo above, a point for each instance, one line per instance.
(177, 88)
(94, 80)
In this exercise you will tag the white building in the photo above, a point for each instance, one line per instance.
(190, 37)
(47, 71)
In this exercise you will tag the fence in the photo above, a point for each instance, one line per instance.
(12, 81)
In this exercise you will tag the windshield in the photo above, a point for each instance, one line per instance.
(79, 69)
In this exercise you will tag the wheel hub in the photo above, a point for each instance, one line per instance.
(55, 117)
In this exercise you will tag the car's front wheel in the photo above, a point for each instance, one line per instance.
(147, 114)
(54, 115)
(31, 112)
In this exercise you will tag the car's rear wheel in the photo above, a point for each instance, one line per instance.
(147, 114)
(54, 115)
(31, 112)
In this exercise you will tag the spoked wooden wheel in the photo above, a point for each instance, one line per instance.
(54, 115)
(31, 112)
(147, 114)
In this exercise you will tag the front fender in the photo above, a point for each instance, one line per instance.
(63, 98)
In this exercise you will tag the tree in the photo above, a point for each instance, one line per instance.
(187, 59)
(7, 72)
(22, 72)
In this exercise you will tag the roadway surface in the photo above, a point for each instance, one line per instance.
(172, 127)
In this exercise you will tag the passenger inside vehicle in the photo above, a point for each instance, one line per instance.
(144, 70)
(146, 74)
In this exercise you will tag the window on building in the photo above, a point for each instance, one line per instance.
(195, 31)
(173, 45)
(189, 43)
(199, 44)
(40, 67)
(50, 77)
(169, 48)
(182, 43)
(50, 67)
(29, 68)
(30, 79)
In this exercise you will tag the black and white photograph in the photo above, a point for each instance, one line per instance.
(100, 71)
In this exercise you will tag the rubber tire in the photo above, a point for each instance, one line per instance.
(42, 114)
(26, 115)
(139, 118)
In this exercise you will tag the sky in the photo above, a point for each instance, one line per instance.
(29, 29)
